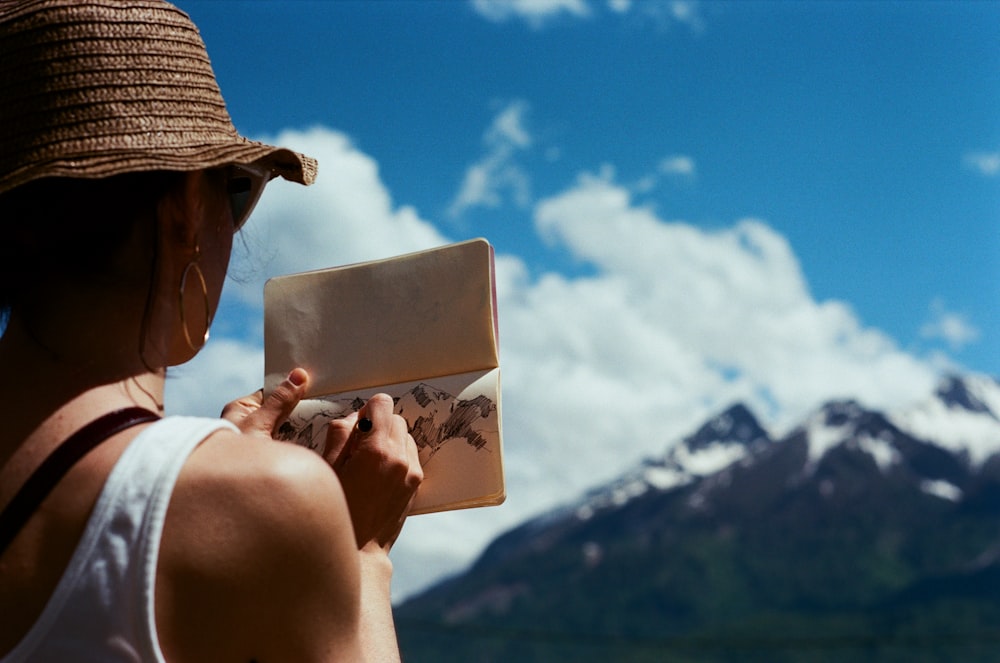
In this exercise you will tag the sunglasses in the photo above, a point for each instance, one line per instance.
(244, 184)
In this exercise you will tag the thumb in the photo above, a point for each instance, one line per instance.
(276, 407)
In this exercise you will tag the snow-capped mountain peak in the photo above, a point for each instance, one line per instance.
(963, 417)
(737, 425)
(723, 440)
(960, 420)
(965, 394)
(831, 426)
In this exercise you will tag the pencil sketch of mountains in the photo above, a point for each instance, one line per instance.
(434, 417)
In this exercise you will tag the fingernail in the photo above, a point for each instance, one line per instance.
(364, 424)
(297, 377)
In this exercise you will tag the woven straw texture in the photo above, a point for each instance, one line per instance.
(92, 88)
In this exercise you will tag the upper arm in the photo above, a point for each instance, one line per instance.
(258, 559)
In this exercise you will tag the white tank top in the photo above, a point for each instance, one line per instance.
(102, 608)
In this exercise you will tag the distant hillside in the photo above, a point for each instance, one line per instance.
(858, 536)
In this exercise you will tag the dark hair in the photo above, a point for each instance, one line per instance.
(64, 228)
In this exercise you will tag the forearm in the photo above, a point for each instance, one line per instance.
(377, 632)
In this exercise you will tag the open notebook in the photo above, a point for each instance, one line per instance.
(420, 327)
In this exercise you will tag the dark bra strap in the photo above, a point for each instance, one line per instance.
(62, 458)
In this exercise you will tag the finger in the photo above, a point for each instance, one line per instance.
(378, 412)
(241, 408)
(415, 474)
(416, 469)
(274, 409)
(407, 493)
(338, 438)
(358, 429)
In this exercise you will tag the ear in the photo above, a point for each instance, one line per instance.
(179, 212)
(178, 218)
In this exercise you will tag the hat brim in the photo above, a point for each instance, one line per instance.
(280, 161)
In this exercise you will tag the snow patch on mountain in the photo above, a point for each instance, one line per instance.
(651, 475)
(943, 489)
(830, 427)
(963, 416)
(880, 449)
(708, 459)
(823, 437)
(662, 477)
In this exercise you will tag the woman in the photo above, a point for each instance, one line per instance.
(122, 181)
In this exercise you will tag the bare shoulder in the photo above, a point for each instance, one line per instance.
(258, 559)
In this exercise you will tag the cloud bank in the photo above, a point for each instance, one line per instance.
(670, 324)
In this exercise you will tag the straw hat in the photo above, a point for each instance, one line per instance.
(92, 88)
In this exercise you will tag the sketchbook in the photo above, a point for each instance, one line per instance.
(421, 327)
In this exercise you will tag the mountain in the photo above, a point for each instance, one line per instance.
(859, 535)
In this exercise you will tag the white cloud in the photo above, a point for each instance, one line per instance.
(508, 127)
(720, 315)
(953, 328)
(497, 174)
(539, 13)
(985, 163)
(677, 164)
(687, 12)
(672, 324)
(667, 13)
(534, 12)
(677, 167)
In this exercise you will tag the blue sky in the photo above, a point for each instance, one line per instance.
(692, 203)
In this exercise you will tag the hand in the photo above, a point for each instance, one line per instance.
(255, 415)
(378, 468)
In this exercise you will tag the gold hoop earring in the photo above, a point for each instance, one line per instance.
(193, 266)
